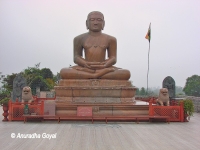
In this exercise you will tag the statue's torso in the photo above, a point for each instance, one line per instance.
(95, 47)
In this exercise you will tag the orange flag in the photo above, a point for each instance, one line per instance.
(148, 35)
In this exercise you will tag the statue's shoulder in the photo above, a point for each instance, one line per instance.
(81, 36)
(109, 37)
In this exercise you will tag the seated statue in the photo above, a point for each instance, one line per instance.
(95, 45)
(27, 94)
(163, 98)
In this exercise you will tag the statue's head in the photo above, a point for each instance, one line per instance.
(164, 91)
(26, 93)
(164, 95)
(95, 21)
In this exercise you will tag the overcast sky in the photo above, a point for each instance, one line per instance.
(33, 31)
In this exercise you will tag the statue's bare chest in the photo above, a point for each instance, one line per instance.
(93, 43)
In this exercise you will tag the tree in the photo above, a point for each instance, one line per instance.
(50, 83)
(142, 91)
(138, 91)
(35, 77)
(46, 73)
(4, 93)
(42, 78)
(31, 72)
(192, 86)
(8, 82)
(39, 81)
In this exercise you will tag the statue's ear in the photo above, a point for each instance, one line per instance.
(103, 25)
(87, 26)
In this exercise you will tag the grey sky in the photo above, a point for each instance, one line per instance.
(33, 31)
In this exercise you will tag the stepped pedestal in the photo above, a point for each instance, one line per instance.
(101, 95)
(95, 91)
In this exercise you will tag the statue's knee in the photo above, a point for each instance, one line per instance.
(126, 74)
(64, 72)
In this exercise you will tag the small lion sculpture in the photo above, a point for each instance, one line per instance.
(163, 98)
(27, 95)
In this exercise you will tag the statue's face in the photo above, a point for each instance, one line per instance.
(95, 22)
(164, 91)
(26, 90)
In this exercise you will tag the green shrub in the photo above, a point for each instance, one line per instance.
(188, 106)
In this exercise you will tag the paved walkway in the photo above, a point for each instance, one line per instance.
(100, 136)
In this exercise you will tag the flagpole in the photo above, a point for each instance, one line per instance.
(148, 37)
(148, 70)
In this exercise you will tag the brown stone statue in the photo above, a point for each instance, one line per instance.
(95, 44)
(94, 80)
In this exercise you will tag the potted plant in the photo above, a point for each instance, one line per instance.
(4, 103)
(188, 108)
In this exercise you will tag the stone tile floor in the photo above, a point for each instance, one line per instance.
(83, 135)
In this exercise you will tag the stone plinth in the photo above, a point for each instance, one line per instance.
(95, 91)
(103, 109)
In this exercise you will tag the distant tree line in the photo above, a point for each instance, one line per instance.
(143, 92)
(154, 91)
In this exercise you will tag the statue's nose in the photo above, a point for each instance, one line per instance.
(95, 21)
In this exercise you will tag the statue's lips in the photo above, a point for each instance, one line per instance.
(95, 26)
